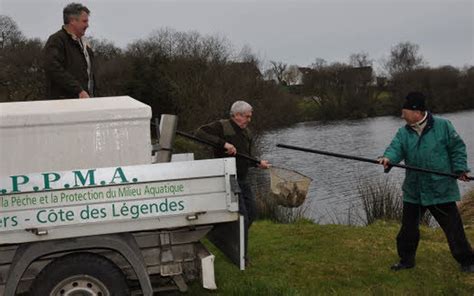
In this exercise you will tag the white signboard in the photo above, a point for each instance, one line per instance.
(51, 199)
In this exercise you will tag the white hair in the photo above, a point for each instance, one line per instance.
(240, 107)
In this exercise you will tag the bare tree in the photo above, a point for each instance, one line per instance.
(21, 74)
(360, 59)
(278, 69)
(20, 71)
(269, 75)
(9, 32)
(104, 48)
(404, 57)
(319, 63)
(246, 55)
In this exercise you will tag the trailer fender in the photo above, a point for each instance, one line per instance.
(123, 244)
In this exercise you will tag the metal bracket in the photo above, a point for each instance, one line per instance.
(234, 185)
(180, 283)
(37, 231)
(195, 216)
(166, 251)
(235, 188)
(168, 266)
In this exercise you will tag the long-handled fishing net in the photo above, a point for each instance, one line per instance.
(374, 161)
(288, 188)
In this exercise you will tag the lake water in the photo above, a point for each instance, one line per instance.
(333, 196)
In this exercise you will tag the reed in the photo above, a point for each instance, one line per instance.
(382, 200)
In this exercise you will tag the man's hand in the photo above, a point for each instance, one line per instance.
(264, 164)
(230, 149)
(83, 95)
(464, 177)
(385, 161)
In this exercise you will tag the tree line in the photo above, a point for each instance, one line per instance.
(198, 77)
(353, 90)
(185, 73)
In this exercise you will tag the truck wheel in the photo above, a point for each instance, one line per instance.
(81, 274)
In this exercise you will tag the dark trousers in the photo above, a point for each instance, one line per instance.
(450, 221)
(247, 208)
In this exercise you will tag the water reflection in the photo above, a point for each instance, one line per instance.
(333, 195)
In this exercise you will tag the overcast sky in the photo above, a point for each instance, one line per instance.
(295, 32)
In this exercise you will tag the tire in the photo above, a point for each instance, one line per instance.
(83, 274)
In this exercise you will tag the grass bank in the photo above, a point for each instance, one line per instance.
(310, 259)
(466, 208)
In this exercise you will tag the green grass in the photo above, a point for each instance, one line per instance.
(311, 259)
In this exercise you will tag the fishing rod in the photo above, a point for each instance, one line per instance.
(200, 140)
(407, 167)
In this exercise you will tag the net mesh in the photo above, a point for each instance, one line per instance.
(289, 188)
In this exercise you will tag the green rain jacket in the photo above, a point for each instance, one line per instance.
(438, 148)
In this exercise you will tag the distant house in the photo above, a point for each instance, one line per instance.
(294, 75)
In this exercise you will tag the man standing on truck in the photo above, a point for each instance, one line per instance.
(68, 58)
(232, 136)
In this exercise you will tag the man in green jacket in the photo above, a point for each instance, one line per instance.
(68, 58)
(229, 137)
(430, 142)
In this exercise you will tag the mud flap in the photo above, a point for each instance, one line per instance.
(208, 278)
(229, 238)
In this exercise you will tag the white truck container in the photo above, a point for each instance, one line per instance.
(85, 211)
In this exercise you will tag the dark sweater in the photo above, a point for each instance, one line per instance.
(241, 138)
